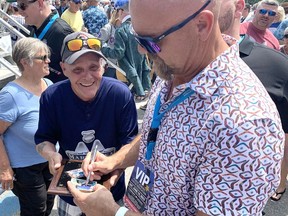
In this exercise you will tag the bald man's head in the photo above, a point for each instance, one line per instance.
(230, 15)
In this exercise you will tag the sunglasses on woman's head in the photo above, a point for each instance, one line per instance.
(23, 6)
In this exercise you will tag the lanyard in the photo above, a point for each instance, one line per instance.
(157, 117)
(47, 27)
(241, 39)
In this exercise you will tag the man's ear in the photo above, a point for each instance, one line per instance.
(240, 5)
(63, 67)
(41, 3)
(205, 22)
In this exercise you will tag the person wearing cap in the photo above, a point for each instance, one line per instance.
(47, 26)
(211, 140)
(94, 18)
(86, 107)
(73, 15)
(125, 50)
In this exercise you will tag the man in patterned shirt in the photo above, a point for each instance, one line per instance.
(264, 62)
(212, 141)
(94, 18)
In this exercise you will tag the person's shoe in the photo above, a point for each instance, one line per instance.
(143, 107)
(277, 196)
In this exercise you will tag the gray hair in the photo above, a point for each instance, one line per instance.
(27, 48)
(268, 2)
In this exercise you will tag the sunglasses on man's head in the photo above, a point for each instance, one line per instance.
(77, 44)
(23, 6)
(270, 12)
(150, 43)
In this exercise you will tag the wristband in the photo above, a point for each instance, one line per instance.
(121, 211)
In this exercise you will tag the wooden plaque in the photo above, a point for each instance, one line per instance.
(58, 185)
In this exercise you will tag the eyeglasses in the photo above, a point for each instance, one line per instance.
(44, 58)
(264, 11)
(23, 6)
(150, 44)
(286, 36)
(77, 44)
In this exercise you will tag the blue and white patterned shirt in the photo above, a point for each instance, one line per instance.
(279, 32)
(94, 19)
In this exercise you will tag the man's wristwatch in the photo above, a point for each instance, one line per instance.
(121, 211)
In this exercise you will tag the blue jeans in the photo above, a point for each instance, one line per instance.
(31, 187)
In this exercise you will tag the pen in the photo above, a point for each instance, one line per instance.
(93, 157)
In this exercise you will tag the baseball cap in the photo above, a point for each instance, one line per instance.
(77, 1)
(120, 3)
(86, 46)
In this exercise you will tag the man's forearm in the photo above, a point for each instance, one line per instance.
(45, 149)
(128, 154)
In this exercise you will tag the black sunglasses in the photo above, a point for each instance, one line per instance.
(286, 36)
(150, 43)
(44, 58)
(23, 6)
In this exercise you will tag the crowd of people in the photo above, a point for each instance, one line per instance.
(214, 138)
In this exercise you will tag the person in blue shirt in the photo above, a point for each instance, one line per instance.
(19, 114)
(279, 32)
(84, 108)
(94, 18)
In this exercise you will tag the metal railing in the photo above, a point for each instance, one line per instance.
(7, 27)
(12, 29)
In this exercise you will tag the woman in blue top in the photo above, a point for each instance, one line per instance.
(22, 169)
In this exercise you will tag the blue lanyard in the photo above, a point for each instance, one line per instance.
(157, 117)
(241, 39)
(47, 27)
